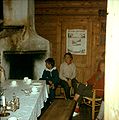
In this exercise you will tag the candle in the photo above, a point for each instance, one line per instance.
(3, 101)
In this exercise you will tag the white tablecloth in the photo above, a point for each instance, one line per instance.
(30, 106)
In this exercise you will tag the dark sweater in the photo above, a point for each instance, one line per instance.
(51, 75)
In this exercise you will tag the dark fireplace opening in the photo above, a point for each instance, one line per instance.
(21, 64)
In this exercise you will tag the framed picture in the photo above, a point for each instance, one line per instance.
(76, 41)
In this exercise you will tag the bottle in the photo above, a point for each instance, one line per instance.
(13, 106)
(16, 101)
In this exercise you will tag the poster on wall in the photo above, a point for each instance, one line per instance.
(76, 41)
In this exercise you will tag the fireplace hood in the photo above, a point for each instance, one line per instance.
(20, 27)
(19, 40)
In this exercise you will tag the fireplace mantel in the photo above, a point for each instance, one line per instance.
(24, 52)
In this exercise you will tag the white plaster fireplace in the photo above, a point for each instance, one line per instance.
(23, 51)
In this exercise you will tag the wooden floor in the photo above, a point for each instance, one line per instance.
(85, 112)
(60, 109)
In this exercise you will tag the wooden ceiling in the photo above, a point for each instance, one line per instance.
(70, 7)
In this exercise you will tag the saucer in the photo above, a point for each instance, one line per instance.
(36, 84)
(13, 85)
(33, 93)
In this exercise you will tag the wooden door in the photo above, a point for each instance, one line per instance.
(83, 62)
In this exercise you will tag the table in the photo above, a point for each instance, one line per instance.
(30, 106)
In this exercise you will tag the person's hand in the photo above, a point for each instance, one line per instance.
(53, 87)
(67, 78)
(50, 82)
(85, 83)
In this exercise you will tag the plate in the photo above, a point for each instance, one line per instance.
(36, 84)
(34, 93)
(13, 85)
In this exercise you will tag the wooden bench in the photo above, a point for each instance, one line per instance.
(60, 109)
(59, 93)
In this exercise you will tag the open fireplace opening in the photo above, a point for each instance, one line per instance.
(22, 64)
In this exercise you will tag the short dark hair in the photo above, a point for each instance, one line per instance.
(68, 54)
(50, 61)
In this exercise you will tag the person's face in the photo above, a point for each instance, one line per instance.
(102, 67)
(68, 59)
(49, 66)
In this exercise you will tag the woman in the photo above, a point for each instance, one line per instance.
(95, 82)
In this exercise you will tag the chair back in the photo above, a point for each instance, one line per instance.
(93, 102)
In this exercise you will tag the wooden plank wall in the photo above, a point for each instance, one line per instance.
(53, 18)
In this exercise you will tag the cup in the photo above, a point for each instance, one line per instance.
(14, 83)
(28, 81)
(12, 118)
(25, 79)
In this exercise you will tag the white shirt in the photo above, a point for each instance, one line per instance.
(67, 71)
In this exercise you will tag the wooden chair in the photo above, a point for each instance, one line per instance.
(93, 102)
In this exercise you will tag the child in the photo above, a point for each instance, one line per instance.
(68, 74)
(51, 75)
